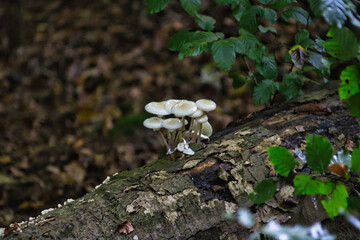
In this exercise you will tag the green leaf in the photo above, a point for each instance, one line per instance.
(224, 2)
(267, 29)
(337, 200)
(238, 9)
(238, 80)
(268, 67)
(354, 206)
(270, 15)
(250, 18)
(353, 105)
(318, 152)
(291, 85)
(264, 1)
(282, 159)
(279, 4)
(297, 13)
(308, 185)
(335, 12)
(178, 40)
(302, 38)
(263, 91)
(191, 6)
(263, 191)
(355, 160)
(319, 45)
(154, 6)
(247, 44)
(343, 44)
(223, 54)
(350, 80)
(205, 22)
(319, 62)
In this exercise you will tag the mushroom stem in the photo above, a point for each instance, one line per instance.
(164, 140)
(198, 134)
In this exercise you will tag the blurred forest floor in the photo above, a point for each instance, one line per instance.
(72, 97)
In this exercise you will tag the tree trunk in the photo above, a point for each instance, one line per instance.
(187, 198)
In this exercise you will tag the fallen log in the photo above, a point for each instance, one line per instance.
(187, 197)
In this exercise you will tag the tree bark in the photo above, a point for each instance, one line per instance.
(187, 197)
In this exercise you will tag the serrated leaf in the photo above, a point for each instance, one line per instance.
(238, 9)
(319, 62)
(282, 159)
(267, 29)
(308, 185)
(263, 191)
(336, 201)
(343, 44)
(223, 54)
(154, 6)
(178, 40)
(270, 15)
(279, 4)
(299, 56)
(355, 160)
(263, 91)
(191, 6)
(297, 13)
(247, 44)
(301, 36)
(250, 18)
(268, 67)
(205, 22)
(350, 81)
(318, 152)
(291, 85)
(353, 105)
(239, 80)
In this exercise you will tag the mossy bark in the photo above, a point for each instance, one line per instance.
(187, 198)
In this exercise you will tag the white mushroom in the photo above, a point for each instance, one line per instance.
(170, 103)
(206, 105)
(155, 123)
(157, 108)
(171, 124)
(184, 108)
(207, 129)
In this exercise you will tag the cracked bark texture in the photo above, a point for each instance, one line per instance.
(187, 198)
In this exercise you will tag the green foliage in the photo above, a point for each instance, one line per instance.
(282, 159)
(264, 90)
(263, 191)
(191, 6)
(239, 80)
(267, 68)
(350, 81)
(355, 160)
(250, 18)
(308, 185)
(296, 13)
(318, 152)
(223, 54)
(336, 201)
(353, 105)
(343, 44)
(291, 85)
(154, 6)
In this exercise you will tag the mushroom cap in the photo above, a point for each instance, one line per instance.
(157, 108)
(172, 123)
(206, 105)
(183, 108)
(188, 151)
(170, 103)
(153, 123)
(197, 114)
(207, 129)
(202, 119)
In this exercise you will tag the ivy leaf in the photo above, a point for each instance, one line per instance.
(270, 15)
(308, 185)
(223, 54)
(297, 13)
(205, 22)
(318, 152)
(299, 56)
(279, 4)
(268, 67)
(154, 6)
(250, 18)
(282, 159)
(238, 80)
(337, 200)
(267, 29)
(343, 44)
(350, 81)
(353, 105)
(355, 160)
(291, 85)
(263, 91)
(263, 191)
(191, 6)
(319, 62)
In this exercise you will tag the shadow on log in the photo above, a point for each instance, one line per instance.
(187, 198)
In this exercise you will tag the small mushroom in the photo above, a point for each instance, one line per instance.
(184, 108)
(157, 108)
(206, 105)
(170, 103)
(171, 124)
(155, 123)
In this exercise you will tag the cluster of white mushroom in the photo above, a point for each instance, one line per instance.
(178, 134)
